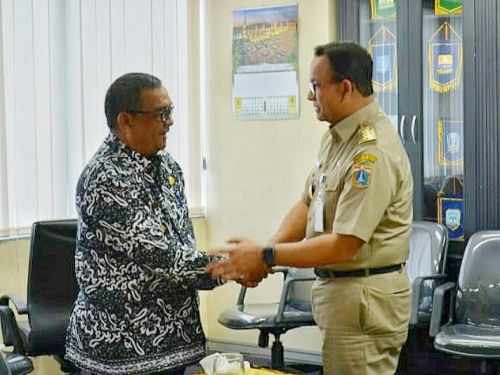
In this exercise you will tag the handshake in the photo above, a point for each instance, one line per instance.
(244, 263)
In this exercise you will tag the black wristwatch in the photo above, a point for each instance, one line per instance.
(268, 255)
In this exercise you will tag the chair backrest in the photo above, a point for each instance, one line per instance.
(478, 293)
(428, 250)
(52, 285)
(299, 293)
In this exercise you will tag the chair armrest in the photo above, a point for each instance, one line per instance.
(440, 309)
(281, 269)
(18, 364)
(284, 294)
(241, 296)
(416, 291)
(17, 301)
(243, 290)
(10, 330)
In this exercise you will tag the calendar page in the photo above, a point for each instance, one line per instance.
(265, 80)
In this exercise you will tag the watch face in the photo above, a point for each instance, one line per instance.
(268, 255)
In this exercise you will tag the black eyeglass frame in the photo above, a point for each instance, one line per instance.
(164, 112)
(336, 79)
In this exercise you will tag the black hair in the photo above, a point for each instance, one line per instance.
(124, 94)
(348, 60)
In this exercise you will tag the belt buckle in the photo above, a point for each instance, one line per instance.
(326, 273)
(367, 272)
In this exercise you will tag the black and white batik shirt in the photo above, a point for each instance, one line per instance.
(137, 266)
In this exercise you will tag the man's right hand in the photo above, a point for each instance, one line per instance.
(244, 265)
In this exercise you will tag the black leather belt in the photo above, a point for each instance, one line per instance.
(330, 274)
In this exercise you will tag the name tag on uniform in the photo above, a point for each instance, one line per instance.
(318, 215)
(319, 206)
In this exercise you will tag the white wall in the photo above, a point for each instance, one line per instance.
(256, 169)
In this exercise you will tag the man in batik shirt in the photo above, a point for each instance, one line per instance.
(137, 264)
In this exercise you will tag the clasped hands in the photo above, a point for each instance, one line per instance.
(244, 264)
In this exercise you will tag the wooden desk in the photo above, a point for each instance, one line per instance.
(262, 371)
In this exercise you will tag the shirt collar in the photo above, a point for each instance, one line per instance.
(348, 126)
(142, 162)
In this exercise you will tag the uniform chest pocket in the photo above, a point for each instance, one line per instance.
(330, 200)
(334, 182)
(331, 193)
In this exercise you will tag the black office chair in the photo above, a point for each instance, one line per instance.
(4, 369)
(52, 290)
(292, 311)
(466, 315)
(14, 364)
(426, 265)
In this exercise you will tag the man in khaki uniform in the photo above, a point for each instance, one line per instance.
(355, 214)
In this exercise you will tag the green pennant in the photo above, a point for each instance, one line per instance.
(448, 6)
(383, 8)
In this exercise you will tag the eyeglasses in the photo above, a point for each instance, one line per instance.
(163, 113)
(312, 87)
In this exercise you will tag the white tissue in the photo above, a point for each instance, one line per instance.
(207, 363)
(223, 365)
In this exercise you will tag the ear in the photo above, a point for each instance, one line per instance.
(347, 88)
(123, 120)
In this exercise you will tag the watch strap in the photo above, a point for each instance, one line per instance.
(268, 255)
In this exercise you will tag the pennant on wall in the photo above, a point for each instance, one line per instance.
(382, 48)
(448, 6)
(451, 142)
(450, 206)
(383, 8)
(451, 215)
(445, 59)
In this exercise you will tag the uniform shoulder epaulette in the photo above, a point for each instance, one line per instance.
(367, 133)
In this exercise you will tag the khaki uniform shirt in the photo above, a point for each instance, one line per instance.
(363, 177)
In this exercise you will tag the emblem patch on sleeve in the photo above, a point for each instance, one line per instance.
(361, 176)
(362, 157)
